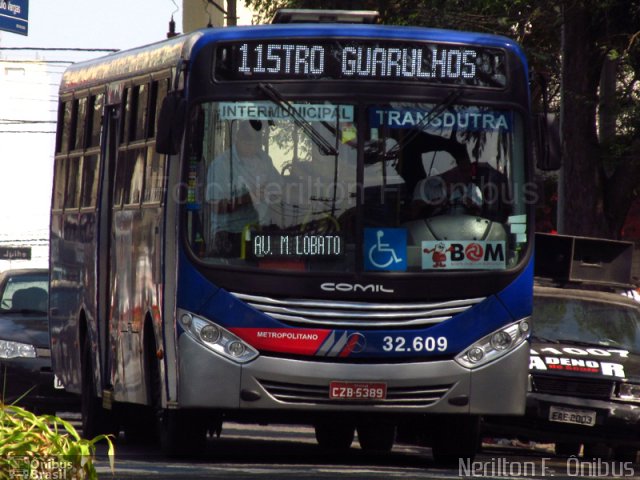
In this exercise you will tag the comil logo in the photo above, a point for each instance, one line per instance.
(355, 287)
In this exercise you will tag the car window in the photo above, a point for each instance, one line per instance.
(583, 320)
(25, 292)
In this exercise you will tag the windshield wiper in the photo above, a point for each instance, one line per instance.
(276, 97)
(437, 110)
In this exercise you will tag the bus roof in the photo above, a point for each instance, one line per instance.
(126, 63)
(168, 53)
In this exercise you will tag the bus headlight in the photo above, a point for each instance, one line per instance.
(494, 345)
(217, 339)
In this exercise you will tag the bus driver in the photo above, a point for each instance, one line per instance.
(236, 182)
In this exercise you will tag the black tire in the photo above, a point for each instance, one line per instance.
(377, 437)
(179, 433)
(140, 422)
(335, 436)
(139, 425)
(567, 449)
(456, 437)
(95, 419)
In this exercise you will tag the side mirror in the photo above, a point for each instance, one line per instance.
(548, 147)
(171, 124)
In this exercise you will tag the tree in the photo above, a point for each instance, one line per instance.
(601, 162)
(587, 52)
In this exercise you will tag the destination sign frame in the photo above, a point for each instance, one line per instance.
(306, 59)
(284, 245)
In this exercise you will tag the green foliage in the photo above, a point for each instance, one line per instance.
(42, 447)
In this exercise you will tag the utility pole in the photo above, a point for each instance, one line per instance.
(232, 15)
(560, 225)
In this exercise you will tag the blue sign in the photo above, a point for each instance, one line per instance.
(385, 249)
(14, 16)
(469, 119)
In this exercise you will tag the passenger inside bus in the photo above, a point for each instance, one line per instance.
(446, 188)
(447, 178)
(236, 184)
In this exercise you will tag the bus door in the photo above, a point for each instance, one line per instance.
(110, 139)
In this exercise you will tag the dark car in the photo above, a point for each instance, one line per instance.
(585, 365)
(26, 377)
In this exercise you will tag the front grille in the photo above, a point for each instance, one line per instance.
(316, 394)
(573, 387)
(340, 314)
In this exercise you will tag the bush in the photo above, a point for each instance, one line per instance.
(45, 447)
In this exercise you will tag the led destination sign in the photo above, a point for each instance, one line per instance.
(283, 245)
(427, 62)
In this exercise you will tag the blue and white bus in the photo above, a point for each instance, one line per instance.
(314, 223)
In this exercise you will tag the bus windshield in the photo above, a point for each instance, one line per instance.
(399, 186)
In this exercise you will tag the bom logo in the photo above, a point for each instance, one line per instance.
(463, 254)
(474, 252)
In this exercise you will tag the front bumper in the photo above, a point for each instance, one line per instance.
(616, 422)
(206, 380)
(29, 383)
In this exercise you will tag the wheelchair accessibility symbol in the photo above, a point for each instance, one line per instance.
(385, 249)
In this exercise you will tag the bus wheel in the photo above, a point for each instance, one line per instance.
(180, 433)
(455, 437)
(139, 424)
(95, 419)
(335, 436)
(377, 437)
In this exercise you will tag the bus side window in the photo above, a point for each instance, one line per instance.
(60, 182)
(118, 190)
(90, 177)
(80, 113)
(94, 117)
(151, 110)
(64, 127)
(154, 177)
(126, 117)
(162, 89)
(132, 176)
(72, 198)
(138, 112)
(73, 125)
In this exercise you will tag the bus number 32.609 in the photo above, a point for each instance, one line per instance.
(417, 344)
